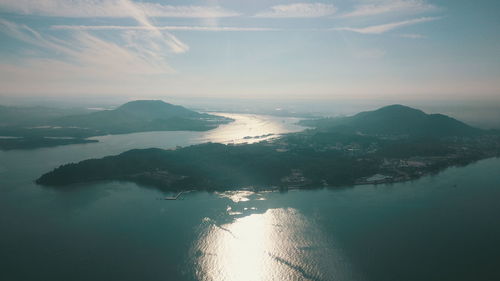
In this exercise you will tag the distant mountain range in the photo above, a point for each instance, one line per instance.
(396, 120)
(11, 116)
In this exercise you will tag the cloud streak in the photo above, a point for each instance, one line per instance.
(168, 27)
(378, 7)
(156, 36)
(108, 8)
(298, 10)
(83, 52)
(383, 28)
(80, 61)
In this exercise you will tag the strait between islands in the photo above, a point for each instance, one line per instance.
(393, 143)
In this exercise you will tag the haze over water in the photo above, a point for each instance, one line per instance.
(442, 227)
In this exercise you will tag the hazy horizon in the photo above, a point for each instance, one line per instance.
(481, 113)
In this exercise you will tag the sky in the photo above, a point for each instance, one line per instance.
(342, 49)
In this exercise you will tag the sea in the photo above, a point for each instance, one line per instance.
(439, 227)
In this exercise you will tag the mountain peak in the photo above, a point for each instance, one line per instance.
(155, 109)
(139, 104)
(143, 115)
(399, 109)
(400, 120)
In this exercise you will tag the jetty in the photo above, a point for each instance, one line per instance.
(173, 197)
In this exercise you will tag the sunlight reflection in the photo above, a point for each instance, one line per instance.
(251, 128)
(240, 195)
(280, 244)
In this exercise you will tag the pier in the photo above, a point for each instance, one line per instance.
(173, 197)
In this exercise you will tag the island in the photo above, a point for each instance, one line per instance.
(391, 144)
(33, 127)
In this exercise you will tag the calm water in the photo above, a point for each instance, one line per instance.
(444, 227)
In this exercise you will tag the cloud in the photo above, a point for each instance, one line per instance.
(298, 10)
(88, 55)
(28, 35)
(83, 63)
(167, 27)
(377, 7)
(155, 34)
(157, 37)
(382, 28)
(108, 8)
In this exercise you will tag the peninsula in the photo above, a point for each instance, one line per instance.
(394, 143)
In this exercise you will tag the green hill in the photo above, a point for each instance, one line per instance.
(396, 120)
(157, 109)
(142, 116)
(33, 127)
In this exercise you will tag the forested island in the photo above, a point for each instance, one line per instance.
(33, 127)
(394, 143)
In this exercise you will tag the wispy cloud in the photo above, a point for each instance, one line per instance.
(382, 28)
(85, 53)
(108, 8)
(377, 7)
(105, 8)
(167, 27)
(298, 10)
(82, 63)
(156, 36)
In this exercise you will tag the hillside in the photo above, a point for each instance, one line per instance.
(141, 116)
(33, 127)
(396, 120)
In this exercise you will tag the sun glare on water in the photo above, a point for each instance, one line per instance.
(280, 244)
(250, 128)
